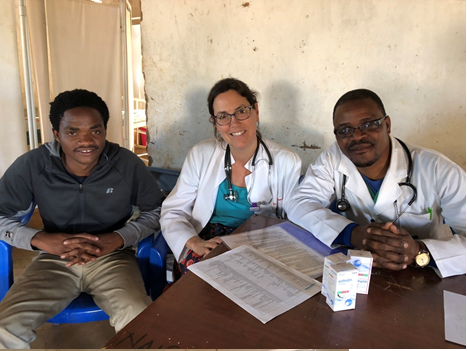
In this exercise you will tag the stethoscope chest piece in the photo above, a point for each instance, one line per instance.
(232, 195)
(343, 205)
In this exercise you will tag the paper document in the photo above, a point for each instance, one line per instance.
(276, 242)
(256, 282)
(454, 317)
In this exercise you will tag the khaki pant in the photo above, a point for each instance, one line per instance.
(47, 286)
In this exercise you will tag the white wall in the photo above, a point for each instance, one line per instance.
(12, 124)
(302, 55)
(13, 141)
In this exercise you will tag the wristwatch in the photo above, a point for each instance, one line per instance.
(422, 258)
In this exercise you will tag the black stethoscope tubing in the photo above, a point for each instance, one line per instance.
(343, 204)
(233, 195)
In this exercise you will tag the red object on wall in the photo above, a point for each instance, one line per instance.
(142, 135)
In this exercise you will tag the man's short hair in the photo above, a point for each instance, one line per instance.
(359, 94)
(76, 98)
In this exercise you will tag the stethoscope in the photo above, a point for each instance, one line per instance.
(343, 204)
(233, 195)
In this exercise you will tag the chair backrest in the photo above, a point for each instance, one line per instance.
(6, 254)
(6, 268)
(25, 216)
(166, 178)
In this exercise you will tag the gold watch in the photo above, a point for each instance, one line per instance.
(422, 258)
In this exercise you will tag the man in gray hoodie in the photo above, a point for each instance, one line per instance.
(86, 189)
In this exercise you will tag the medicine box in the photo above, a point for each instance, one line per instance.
(328, 262)
(363, 261)
(342, 286)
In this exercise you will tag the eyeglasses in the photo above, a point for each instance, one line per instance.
(225, 118)
(369, 126)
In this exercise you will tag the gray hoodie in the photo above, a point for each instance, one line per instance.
(119, 185)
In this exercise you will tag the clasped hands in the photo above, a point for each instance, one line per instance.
(79, 248)
(392, 247)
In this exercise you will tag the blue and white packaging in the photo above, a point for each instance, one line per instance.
(328, 262)
(342, 286)
(363, 261)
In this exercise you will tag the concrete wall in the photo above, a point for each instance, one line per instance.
(302, 55)
(13, 126)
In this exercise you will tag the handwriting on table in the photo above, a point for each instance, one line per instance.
(143, 342)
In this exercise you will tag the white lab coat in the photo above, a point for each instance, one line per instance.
(190, 205)
(440, 184)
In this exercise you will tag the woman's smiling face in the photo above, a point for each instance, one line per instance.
(240, 135)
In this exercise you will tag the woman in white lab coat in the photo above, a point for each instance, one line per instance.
(227, 179)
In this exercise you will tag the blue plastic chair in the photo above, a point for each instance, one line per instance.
(166, 179)
(6, 255)
(153, 269)
(158, 264)
(6, 268)
(82, 309)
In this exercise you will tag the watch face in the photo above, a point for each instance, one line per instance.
(422, 259)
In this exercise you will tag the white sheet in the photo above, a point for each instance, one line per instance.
(259, 284)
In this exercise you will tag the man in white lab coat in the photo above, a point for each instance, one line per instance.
(371, 191)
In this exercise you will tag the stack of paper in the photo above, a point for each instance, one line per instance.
(268, 271)
(256, 282)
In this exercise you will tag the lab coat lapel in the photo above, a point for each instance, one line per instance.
(260, 178)
(218, 176)
(355, 185)
(397, 172)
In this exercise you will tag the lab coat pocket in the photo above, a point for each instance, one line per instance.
(417, 225)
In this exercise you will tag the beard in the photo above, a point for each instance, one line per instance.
(367, 161)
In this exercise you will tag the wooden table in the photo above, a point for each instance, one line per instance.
(402, 310)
